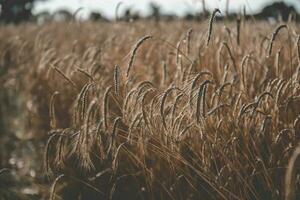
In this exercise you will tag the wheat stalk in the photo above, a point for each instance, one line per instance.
(211, 25)
(298, 48)
(193, 85)
(178, 51)
(277, 64)
(144, 109)
(78, 110)
(201, 100)
(85, 73)
(53, 187)
(162, 105)
(117, 10)
(243, 64)
(137, 117)
(105, 106)
(47, 152)
(164, 70)
(134, 50)
(188, 41)
(63, 75)
(61, 143)
(231, 56)
(111, 147)
(238, 30)
(83, 99)
(290, 177)
(274, 34)
(53, 122)
(117, 79)
(127, 98)
(175, 105)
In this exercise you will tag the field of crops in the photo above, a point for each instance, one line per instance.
(150, 110)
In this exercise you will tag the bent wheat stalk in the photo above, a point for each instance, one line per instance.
(231, 56)
(275, 33)
(201, 100)
(211, 25)
(117, 10)
(53, 123)
(162, 105)
(188, 41)
(290, 177)
(134, 50)
(53, 187)
(63, 75)
(194, 84)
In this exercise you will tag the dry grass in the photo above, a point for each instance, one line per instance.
(136, 119)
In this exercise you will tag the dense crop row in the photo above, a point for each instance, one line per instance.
(158, 111)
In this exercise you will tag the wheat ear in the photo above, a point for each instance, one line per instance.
(105, 106)
(188, 41)
(117, 79)
(53, 123)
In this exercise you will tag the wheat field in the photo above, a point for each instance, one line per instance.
(150, 110)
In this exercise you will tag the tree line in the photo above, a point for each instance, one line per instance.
(17, 11)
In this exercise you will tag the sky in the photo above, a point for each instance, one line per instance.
(179, 7)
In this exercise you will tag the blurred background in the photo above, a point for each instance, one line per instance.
(16, 11)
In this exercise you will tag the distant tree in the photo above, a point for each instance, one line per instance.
(16, 11)
(127, 15)
(277, 10)
(189, 17)
(155, 11)
(200, 15)
(97, 16)
(130, 15)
